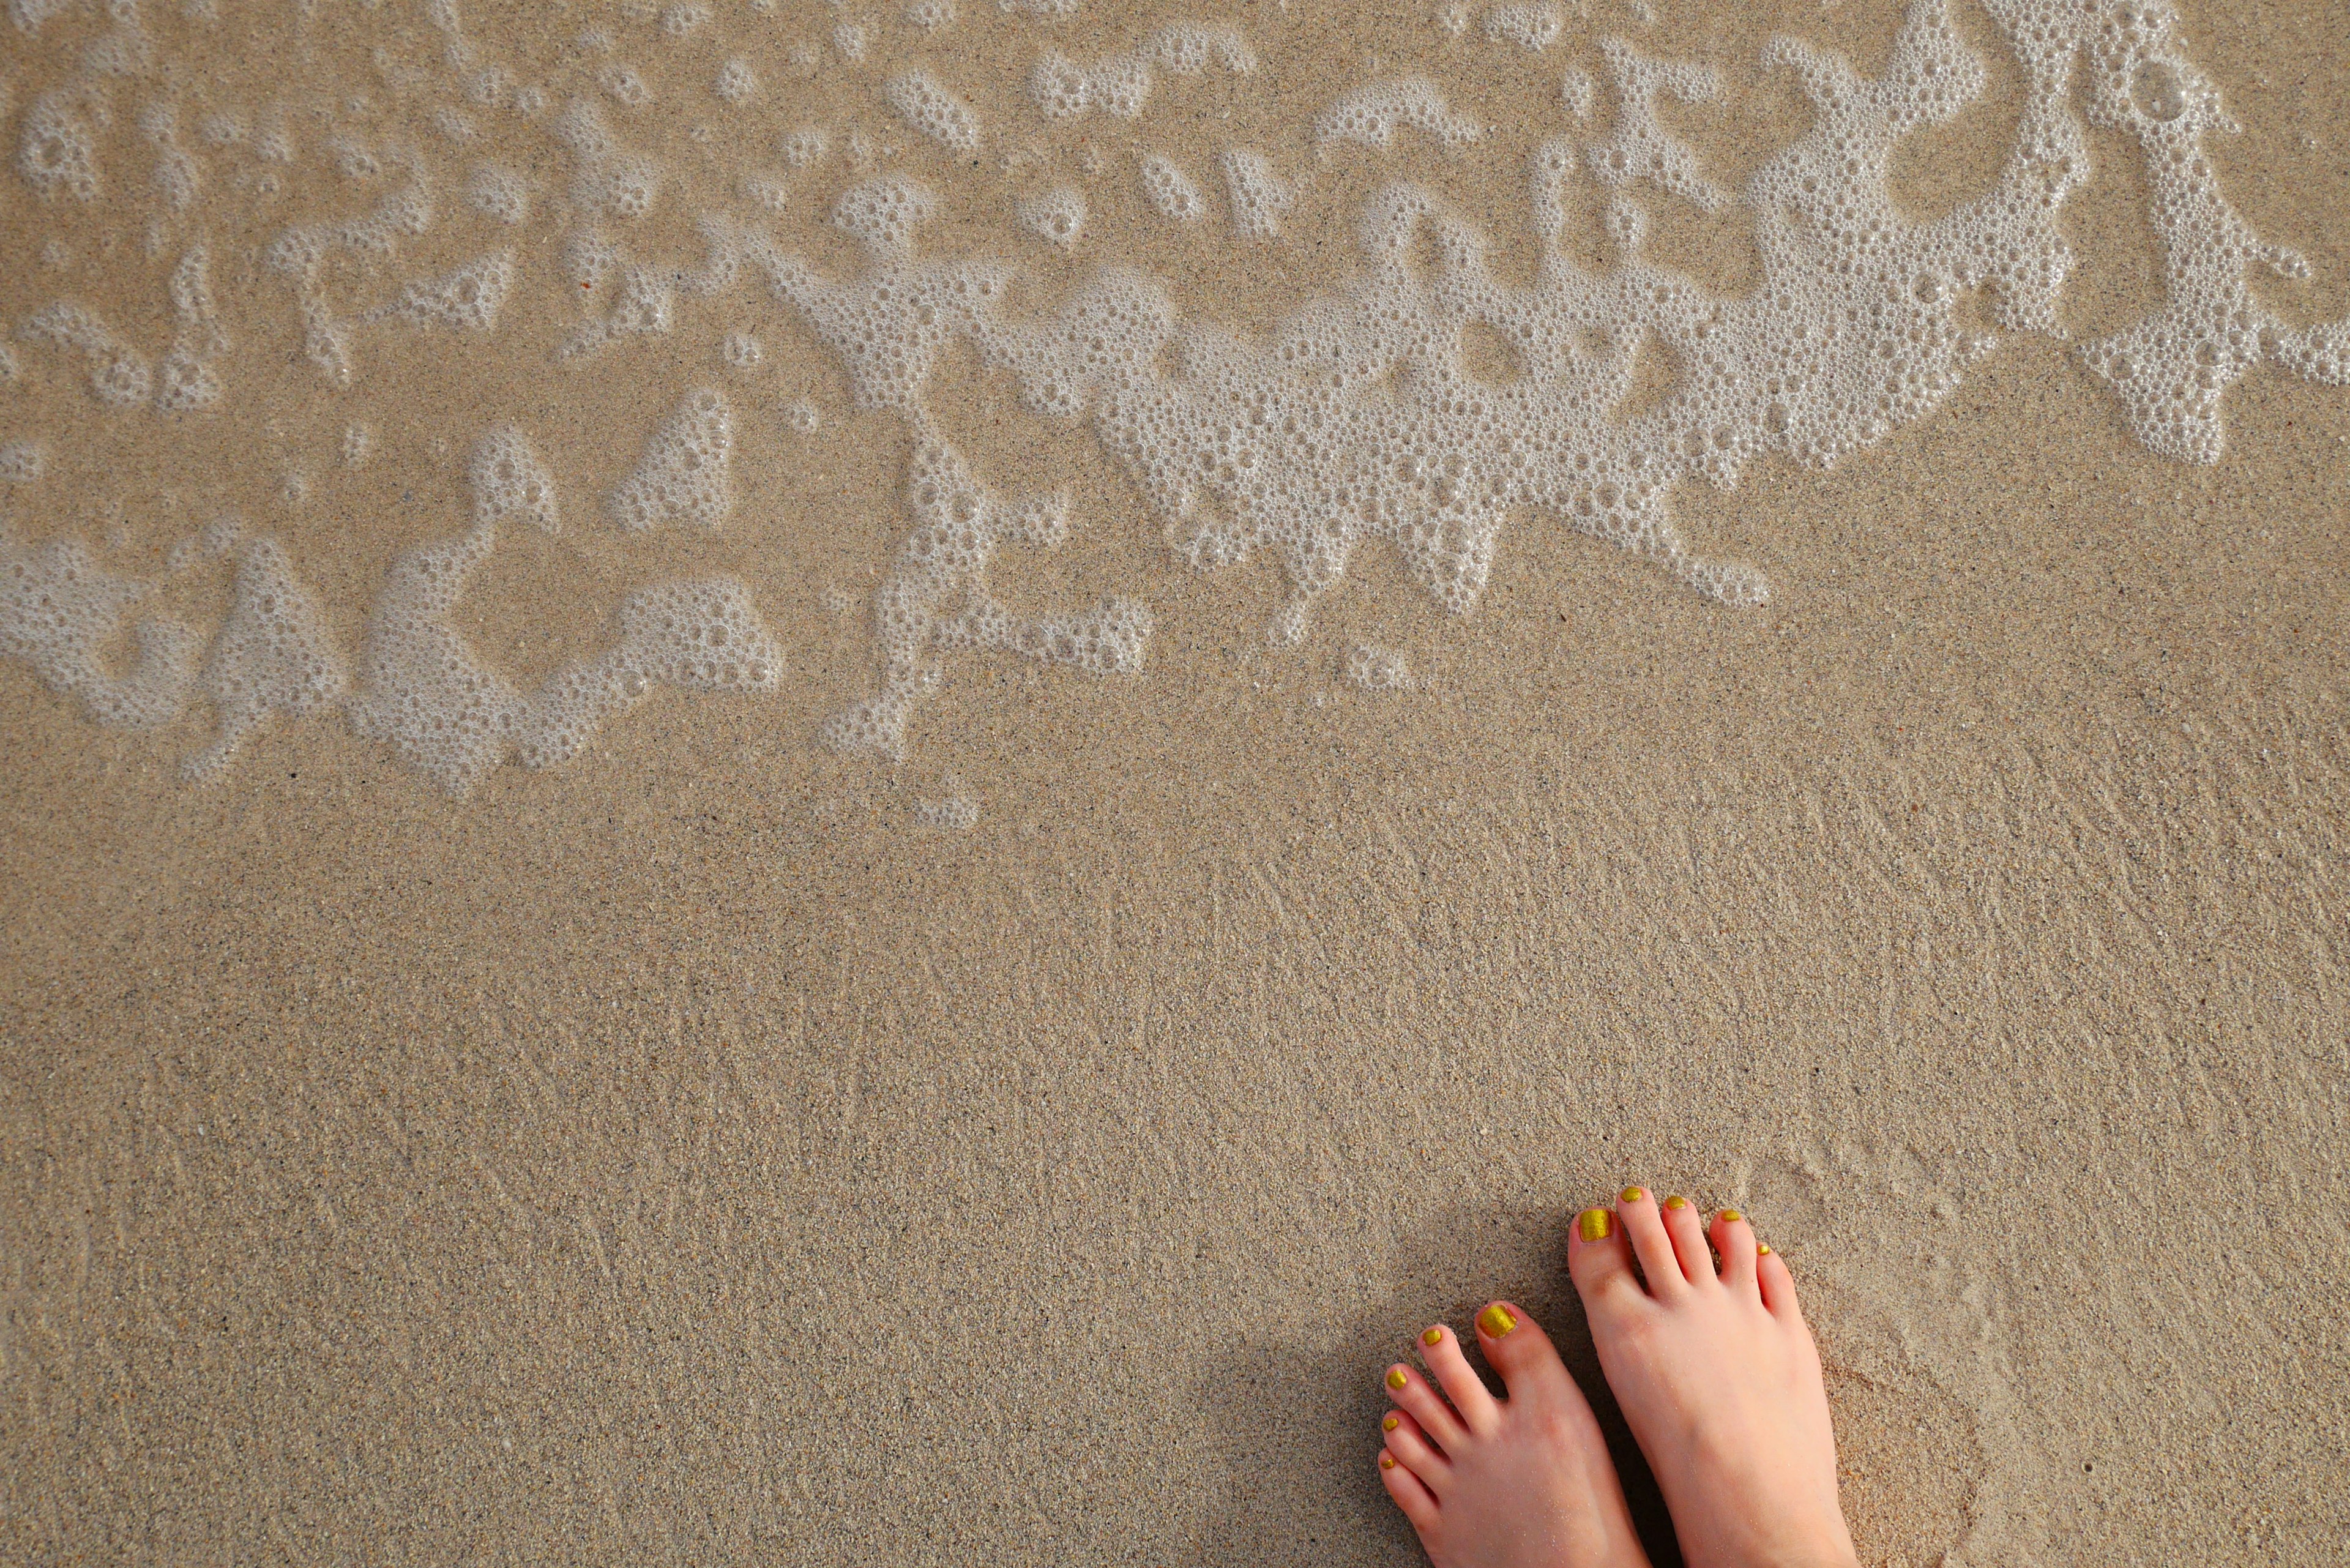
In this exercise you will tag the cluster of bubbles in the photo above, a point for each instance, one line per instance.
(1373, 413)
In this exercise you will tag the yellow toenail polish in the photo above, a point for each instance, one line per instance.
(1396, 1379)
(1732, 1215)
(1391, 1423)
(1594, 1224)
(1676, 1202)
(1630, 1195)
(1497, 1320)
(1432, 1336)
(1762, 1248)
(1387, 1461)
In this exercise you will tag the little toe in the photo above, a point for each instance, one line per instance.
(1410, 1492)
(1412, 1450)
(1650, 1243)
(1419, 1401)
(1734, 1238)
(1688, 1232)
(1470, 1399)
(1516, 1347)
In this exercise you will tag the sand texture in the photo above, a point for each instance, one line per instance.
(724, 1086)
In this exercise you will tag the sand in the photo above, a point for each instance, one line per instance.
(696, 1152)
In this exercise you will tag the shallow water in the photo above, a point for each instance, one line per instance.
(863, 783)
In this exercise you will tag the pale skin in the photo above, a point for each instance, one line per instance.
(1717, 1377)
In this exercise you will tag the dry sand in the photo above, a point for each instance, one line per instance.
(689, 1154)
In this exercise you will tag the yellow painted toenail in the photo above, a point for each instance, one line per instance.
(1732, 1215)
(1396, 1379)
(1630, 1195)
(1763, 1248)
(1594, 1224)
(1676, 1202)
(1432, 1336)
(1391, 1423)
(1497, 1320)
(1387, 1461)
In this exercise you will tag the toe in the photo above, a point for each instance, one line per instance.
(1410, 1493)
(1471, 1400)
(1636, 1211)
(1688, 1233)
(1599, 1260)
(1734, 1238)
(1516, 1347)
(1412, 1451)
(1421, 1401)
(1778, 1287)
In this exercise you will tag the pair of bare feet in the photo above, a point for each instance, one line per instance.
(1718, 1378)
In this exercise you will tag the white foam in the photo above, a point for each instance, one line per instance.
(1376, 668)
(120, 376)
(189, 375)
(1120, 84)
(62, 616)
(23, 461)
(1641, 147)
(57, 149)
(1370, 115)
(509, 482)
(467, 299)
(686, 473)
(273, 654)
(936, 598)
(1259, 196)
(498, 192)
(848, 37)
(359, 443)
(1170, 189)
(1057, 216)
(931, 14)
(805, 147)
(1530, 26)
(426, 691)
(742, 350)
(626, 85)
(737, 83)
(678, 21)
(932, 110)
(611, 180)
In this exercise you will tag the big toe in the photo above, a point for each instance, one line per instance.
(1516, 1347)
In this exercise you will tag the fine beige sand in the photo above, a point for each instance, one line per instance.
(694, 1153)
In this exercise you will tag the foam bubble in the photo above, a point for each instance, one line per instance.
(1259, 196)
(273, 654)
(1119, 84)
(1057, 216)
(742, 350)
(932, 110)
(467, 298)
(805, 147)
(1170, 189)
(931, 14)
(120, 376)
(737, 83)
(611, 180)
(1370, 115)
(189, 375)
(510, 483)
(57, 150)
(498, 192)
(678, 21)
(1532, 27)
(1376, 668)
(62, 615)
(685, 473)
(23, 461)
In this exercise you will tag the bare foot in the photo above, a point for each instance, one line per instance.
(1718, 1379)
(1520, 1482)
